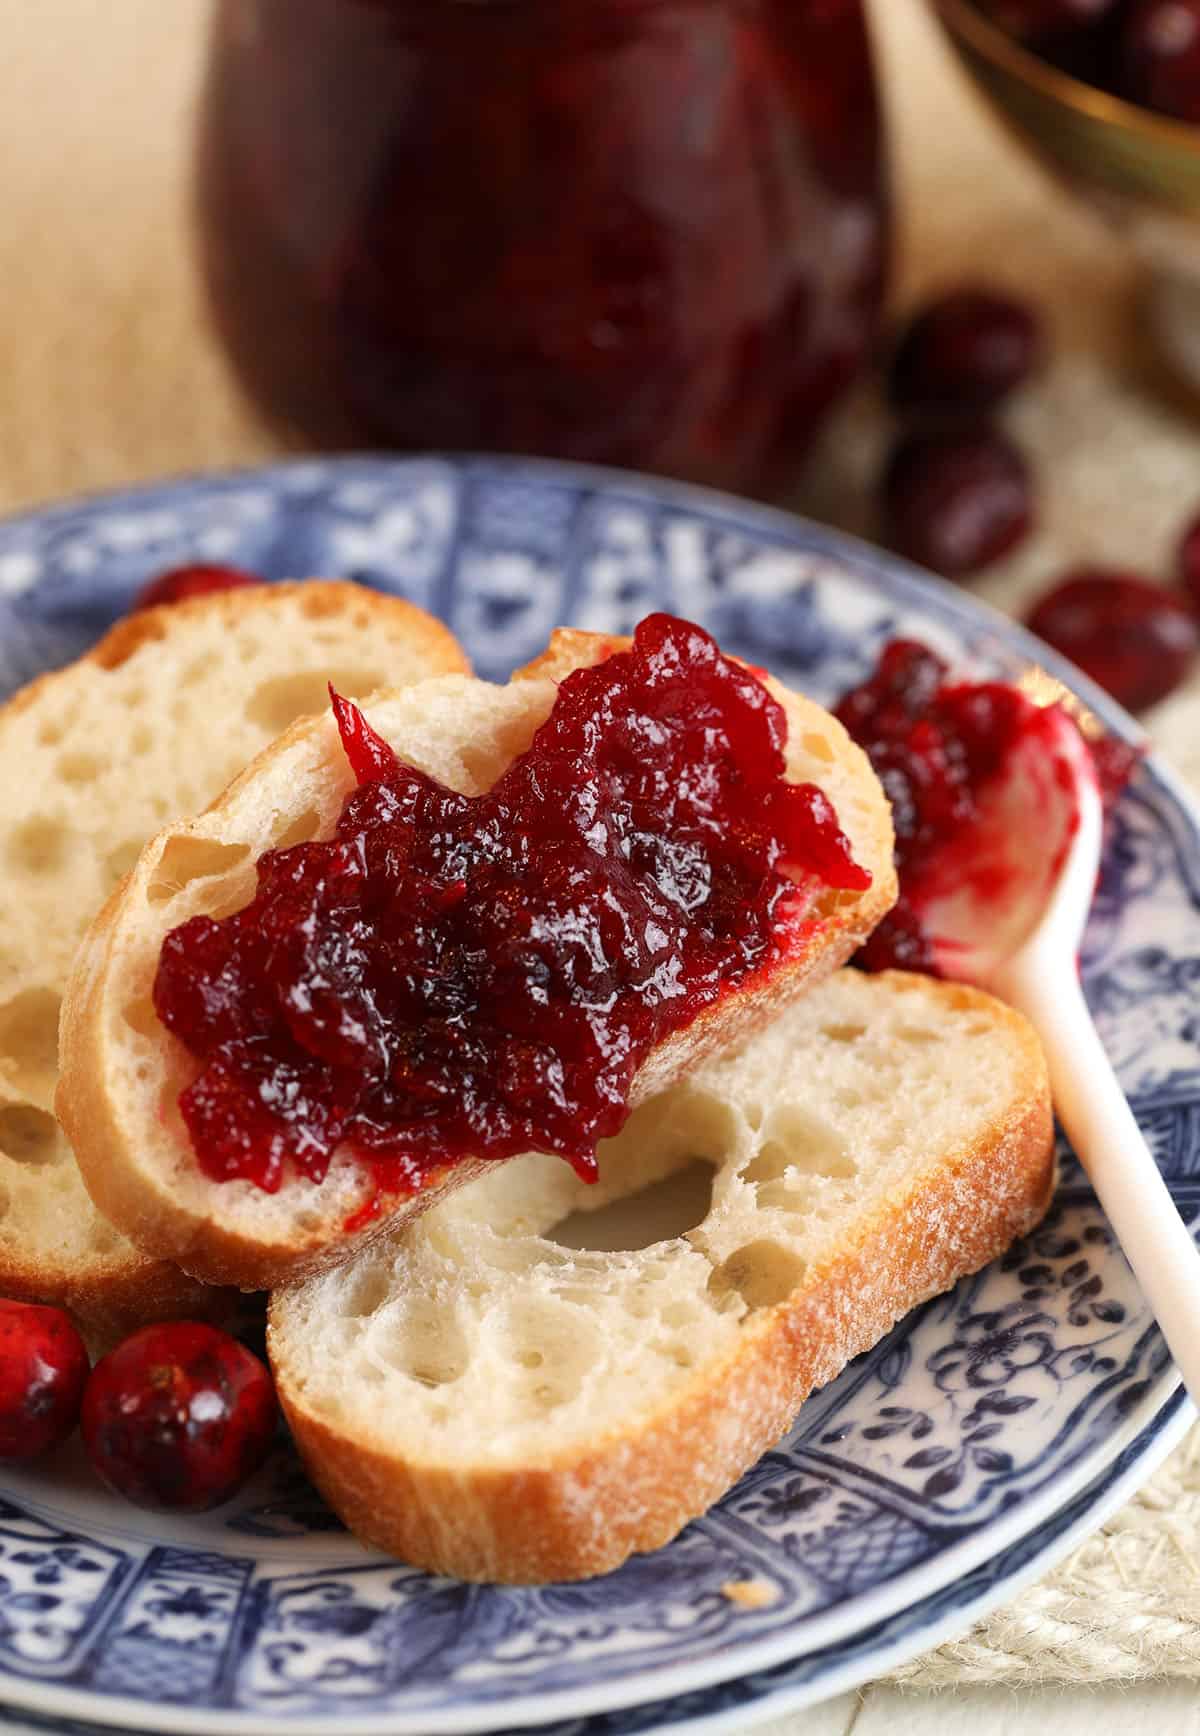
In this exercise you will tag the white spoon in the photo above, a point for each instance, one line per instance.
(1012, 922)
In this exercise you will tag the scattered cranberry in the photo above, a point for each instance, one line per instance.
(178, 1416)
(965, 352)
(43, 1367)
(1189, 561)
(956, 501)
(1131, 636)
(183, 583)
(1160, 56)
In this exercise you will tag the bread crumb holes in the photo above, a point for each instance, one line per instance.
(762, 1274)
(816, 747)
(798, 1143)
(39, 846)
(120, 860)
(302, 830)
(29, 1135)
(275, 704)
(29, 1042)
(185, 860)
(79, 768)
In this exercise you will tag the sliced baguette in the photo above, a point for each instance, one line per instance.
(122, 1073)
(152, 723)
(480, 1400)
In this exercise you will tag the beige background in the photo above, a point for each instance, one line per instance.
(109, 376)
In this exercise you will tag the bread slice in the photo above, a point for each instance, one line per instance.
(122, 1073)
(481, 1400)
(152, 723)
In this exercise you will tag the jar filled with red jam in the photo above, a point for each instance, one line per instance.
(649, 233)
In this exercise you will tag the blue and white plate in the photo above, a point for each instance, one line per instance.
(966, 1451)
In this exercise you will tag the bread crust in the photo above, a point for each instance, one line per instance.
(113, 1291)
(583, 1513)
(220, 1246)
(432, 641)
(110, 1298)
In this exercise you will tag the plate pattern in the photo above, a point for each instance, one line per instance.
(1030, 1379)
(910, 1452)
(729, 1707)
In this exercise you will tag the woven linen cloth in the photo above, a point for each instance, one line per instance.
(111, 376)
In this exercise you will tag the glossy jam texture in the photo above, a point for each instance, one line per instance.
(643, 232)
(936, 746)
(483, 975)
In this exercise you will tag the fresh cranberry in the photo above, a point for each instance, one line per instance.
(1160, 56)
(955, 501)
(484, 974)
(179, 1416)
(183, 583)
(1188, 561)
(43, 1367)
(965, 352)
(1131, 636)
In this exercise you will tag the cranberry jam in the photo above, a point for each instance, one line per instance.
(935, 747)
(456, 975)
(650, 233)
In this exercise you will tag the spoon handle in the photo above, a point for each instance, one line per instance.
(1101, 1127)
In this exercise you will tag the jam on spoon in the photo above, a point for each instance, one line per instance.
(939, 747)
(1006, 908)
(455, 975)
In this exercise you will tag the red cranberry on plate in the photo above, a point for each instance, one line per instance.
(43, 1367)
(965, 352)
(182, 583)
(1160, 56)
(1189, 561)
(179, 1416)
(955, 501)
(1131, 636)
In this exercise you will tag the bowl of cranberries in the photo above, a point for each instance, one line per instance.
(1106, 94)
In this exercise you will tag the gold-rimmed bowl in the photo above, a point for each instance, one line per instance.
(1141, 169)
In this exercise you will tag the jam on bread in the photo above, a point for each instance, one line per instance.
(453, 976)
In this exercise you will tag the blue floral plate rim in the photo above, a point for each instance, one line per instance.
(506, 497)
(300, 473)
(797, 1685)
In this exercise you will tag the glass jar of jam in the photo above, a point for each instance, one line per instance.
(649, 233)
